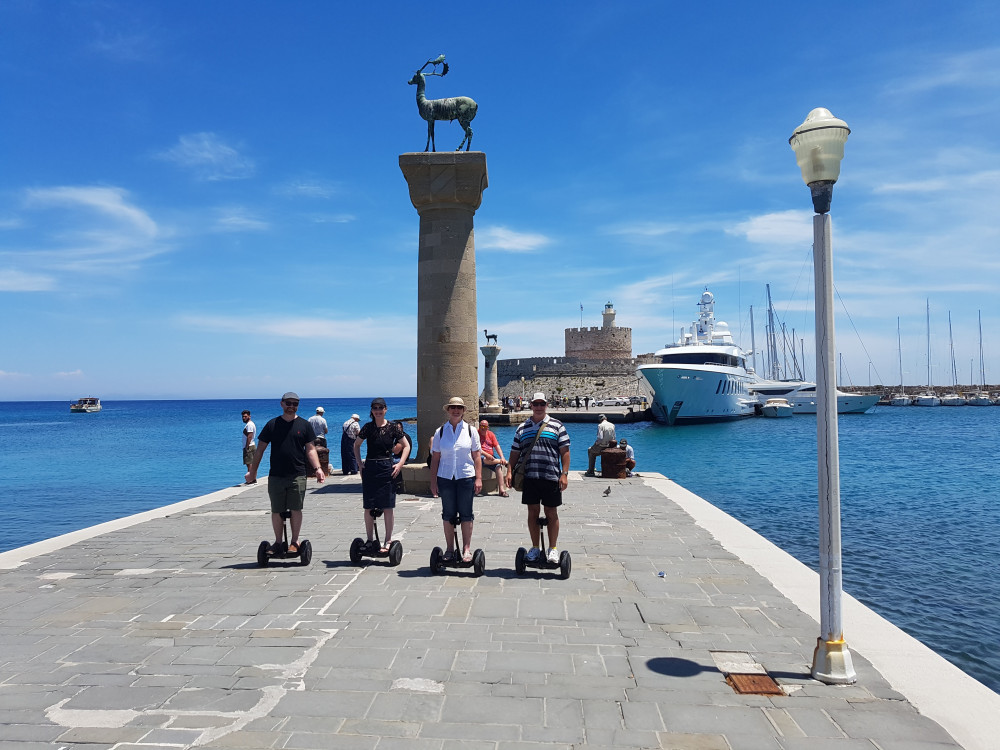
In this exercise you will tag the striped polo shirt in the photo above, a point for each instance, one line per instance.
(544, 460)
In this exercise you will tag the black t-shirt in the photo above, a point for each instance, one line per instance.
(288, 446)
(381, 439)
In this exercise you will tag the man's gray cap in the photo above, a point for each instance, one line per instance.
(601, 417)
(290, 396)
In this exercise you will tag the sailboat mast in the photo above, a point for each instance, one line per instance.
(930, 385)
(772, 346)
(982, 365)
(951, 346)
(753, 341)
(899, 350)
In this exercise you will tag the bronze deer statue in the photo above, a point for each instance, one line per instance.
(460, 108)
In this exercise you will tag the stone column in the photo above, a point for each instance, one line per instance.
(446, 189)
(491, 392)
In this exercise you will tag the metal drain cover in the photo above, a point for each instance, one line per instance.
(754, 684)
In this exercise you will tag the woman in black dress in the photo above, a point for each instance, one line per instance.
(378, 471)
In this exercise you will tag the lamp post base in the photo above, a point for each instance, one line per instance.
(832, 663)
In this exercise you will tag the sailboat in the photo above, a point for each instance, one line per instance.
(899, 399)
(981, 398)
(952, 399)
(928, 397)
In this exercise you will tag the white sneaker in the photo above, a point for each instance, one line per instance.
(533, 554)
(553, 556)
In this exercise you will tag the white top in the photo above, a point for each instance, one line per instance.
(629, 452)
(605, 432)
(318, 425)
(351, 428)
(456, 444)
(249, 431)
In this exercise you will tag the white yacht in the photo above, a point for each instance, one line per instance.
(802, 396)
(702, 377)
(776, 408)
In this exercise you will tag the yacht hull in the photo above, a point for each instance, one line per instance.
(692, 395)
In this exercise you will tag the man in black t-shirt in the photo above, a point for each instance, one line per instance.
(292, 459)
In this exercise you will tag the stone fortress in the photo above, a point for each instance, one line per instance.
(598, 363)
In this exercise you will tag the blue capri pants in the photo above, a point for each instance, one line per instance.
(456, 498)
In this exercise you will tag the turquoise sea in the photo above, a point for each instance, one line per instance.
(919, 489)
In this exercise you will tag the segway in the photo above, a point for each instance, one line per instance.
(438, 561)
(280, 552)
(361, 548)
(521, 560)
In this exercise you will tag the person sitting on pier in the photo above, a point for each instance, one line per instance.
(629, 455)
(492, 449)
(605, 435)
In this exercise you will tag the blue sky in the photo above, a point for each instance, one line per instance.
(204, 199)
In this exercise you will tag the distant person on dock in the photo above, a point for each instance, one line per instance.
(493, 455)
(457, 475)
(629, 455)
(545, 444)
(318, 422)
(249, 447)
(350, 430)
(293, 458)
(378, 471)
(605, 435)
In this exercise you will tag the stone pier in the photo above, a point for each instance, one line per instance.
(491, 392)
(446, 189)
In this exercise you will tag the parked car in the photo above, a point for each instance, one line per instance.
(613, 401)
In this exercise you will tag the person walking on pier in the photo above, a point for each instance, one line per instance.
(378, 470)
(293, 458)
(605, 436)
(349, 433)
(545, 444)
(456, 475)
(493, 456)
(249, 431)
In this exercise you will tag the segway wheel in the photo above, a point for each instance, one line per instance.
(478, 562)
(395, 553)
(565, 564)
(519, 560)
(262, 559)
(305, 552)
(356, 546)
(436, 560)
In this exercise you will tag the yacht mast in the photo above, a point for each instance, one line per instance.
(930, 385)
(951, 346)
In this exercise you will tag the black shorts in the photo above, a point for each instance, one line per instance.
(544, 491)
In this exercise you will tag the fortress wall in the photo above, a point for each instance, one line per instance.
(608, 343)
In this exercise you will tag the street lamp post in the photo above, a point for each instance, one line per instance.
(819, 146)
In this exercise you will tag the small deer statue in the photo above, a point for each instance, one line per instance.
(460, 108)
(490, 336)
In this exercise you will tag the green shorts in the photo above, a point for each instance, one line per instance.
(286, 493)
(248, 454)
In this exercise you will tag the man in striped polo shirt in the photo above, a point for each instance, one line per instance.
(546, 473)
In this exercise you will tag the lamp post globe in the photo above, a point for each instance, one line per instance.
(818, 144)
(819, 148)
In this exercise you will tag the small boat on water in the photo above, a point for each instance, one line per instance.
(802, 396)
(86, 405)
(776, 407)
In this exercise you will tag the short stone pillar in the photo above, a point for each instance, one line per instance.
(446, 189)
(323, 454)
(491, 391)
(613, 463)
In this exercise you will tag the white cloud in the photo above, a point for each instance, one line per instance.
(12, 375)
(976, 69)
(209, 157)
(87, 229)
(502, 238)
(237, 219)
(18, 281)
(73, 374)
(362, 331)
(307, 188)
(782, 228)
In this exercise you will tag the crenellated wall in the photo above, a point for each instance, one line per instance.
(607, 343)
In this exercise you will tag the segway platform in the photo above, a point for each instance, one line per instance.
(361, 548)
(439, 562)
(280, 551)
(521, 561)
